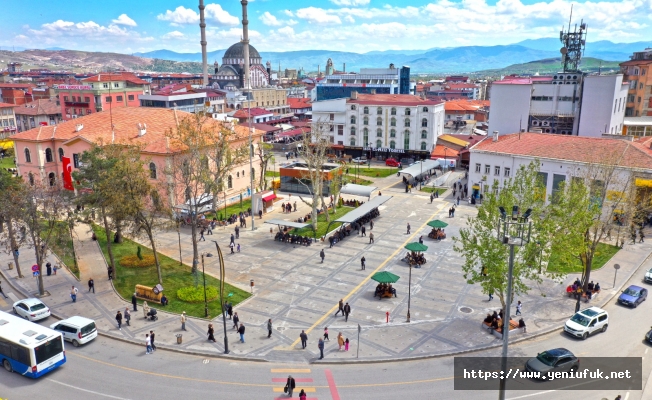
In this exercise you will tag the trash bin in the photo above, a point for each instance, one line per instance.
(179, 338)
(11, 265)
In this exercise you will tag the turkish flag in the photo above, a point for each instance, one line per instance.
(67, 174)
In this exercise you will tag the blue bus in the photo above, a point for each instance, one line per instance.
(29, 349)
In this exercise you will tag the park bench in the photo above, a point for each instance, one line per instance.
(594, 293)
(513, 328)
(147, 293)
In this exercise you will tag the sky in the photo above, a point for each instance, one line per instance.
(286, 25)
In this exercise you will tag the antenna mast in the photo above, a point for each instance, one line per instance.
(573, 45)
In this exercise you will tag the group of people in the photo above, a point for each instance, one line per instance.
(577, 291)
(385, 290)
(451, 212)
(462, 189)
(289, 388)
(437, 234)
(287, 207)
(416, 259)
(496, 321)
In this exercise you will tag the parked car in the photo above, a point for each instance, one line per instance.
(648, 336)
(648, 276)
(555, 360)
(391, 162)
(633, 296)
(78, 330)
(587, 322)
(359, 160)
(31, 309)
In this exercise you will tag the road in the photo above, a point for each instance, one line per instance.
(108, 368)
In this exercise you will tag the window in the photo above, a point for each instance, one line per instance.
(393, 122)
(75, 160)
(424, 134)
(407, 111)
(379, 144)
(130, 97)
(392, 133)
(425, 109)
(424, 123)
(353, 119)
(65, 98)
(640, 85)
(105, 85)
(406, 140)
(116, 85)
(477, 167)
(639, 99)
(28, 157)
(379, 121)
(332, 117)
(487, 169)
(365, 110)
(352, 141)
(87, 99)
(353, 130)
(379, 132)
(88, 111)
(52, 179)
(507, 172)
(340, 130)
(108, 99)
(497, 171)
(365, 121)
(152, 170)
(365, 137)
(379, 111)
(423, 145)
(353, 107)
(229, 182)
(60, 154)
(47, 350)
(393, 112)
(407, 122)
(48, 155)
(557, 181)
(118, 98)
(392, 144)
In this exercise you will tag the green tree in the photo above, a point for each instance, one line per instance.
(12, 195)
(265, 156)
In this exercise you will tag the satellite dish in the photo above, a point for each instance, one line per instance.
(563, 50)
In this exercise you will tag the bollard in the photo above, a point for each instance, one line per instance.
(11, 265)
(179, 338)
(387, 314)
(251, 283)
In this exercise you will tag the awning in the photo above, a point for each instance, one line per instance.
(286, 223)
(269, 197)
(640, 182)
(357, 190)
(363, 209)
(420, 167)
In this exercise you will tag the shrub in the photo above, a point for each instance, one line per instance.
(135, 262)
(139, 254)
(191, 294)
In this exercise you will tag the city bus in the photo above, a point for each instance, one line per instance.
(29, 349)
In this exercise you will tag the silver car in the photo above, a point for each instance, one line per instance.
(31, 309)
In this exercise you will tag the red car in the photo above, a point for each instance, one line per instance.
(390, 162)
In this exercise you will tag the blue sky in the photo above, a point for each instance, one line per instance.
(345, 25)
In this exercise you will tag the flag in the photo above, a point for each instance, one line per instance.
(67, 174)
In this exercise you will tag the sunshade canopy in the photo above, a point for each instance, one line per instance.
(286, 223)
(416, 246)
(357, 190)
(420, 167)
(363, 209)
(437, 224)
(385, 277)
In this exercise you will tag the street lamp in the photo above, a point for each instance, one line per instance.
(512, 231)
(220, 257)
(409, 292)
(203, 271)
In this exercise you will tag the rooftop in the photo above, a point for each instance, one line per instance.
(38, 107)
(7, 105)
(302, 102)
(392, 99)
(116, 77)
(254, 112)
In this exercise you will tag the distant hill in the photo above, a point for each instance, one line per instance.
(548, 66)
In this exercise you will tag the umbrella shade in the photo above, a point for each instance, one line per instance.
(437, 224)
(385, 277)
(416, 246)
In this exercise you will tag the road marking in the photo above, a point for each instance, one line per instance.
(289, 371)
(368, 277)
(307, 390)
(206, 361)
(647, 350)
(626, 395)
(86, 390)
(331, 385)
(284, 380)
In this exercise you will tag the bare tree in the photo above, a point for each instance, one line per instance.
(12, 195)
(265, 156)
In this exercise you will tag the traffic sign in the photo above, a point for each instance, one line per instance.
(34, 268)
(35, 273)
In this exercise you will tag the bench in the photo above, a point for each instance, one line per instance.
(513, 328)
(584, 294)
(147, 293)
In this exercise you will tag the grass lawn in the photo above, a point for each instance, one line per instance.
(603, 253)
(233, 208)
(61, 245)
(322, 224)
(430, 189)
(371, 172)
(175, 276)
(7, 162)
(351, 179)
(271, 174)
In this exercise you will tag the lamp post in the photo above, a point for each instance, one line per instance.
(513, 231)
(409, 292)
(203, 271)
(220, 257)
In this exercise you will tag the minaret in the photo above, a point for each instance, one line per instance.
(245, 41)
(204, 57)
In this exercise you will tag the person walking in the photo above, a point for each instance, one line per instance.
(362, 261)
(148, 344)
(73, 294)
(209, 229)
(145, 309)
(408, 228)
(241, 331)
(236, 319)
(118, 318)
(229, 310)
(346, 344)
(211, 333)
(232, 239)
(340, 341)
(3, 293)
(134, 301)
(371, 225)
(347, 311)
(304, 339)
(322, 254)
(232, 246)
(183, 321)
(363, 231)
(295, 205)
(48, 267)
(201, 235)
(320, 345)
(238, 248)
(269, 328)
(152, 335)
(127, 316)
(421, 239)
(326, 334)
(519, 305)
(290, 385)
(491, 296)
(109, 271)
(432, 197)
(303, 395)
(340, 308)
(91, 285)
(371, 237)
(641, 236)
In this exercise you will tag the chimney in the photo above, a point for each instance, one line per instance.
(354, 95)
(142, 129)
(79, 127)
(495, 139)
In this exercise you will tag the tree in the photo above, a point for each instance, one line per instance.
(265, 156)
(336, 186)
(12, 195)
(486, 257)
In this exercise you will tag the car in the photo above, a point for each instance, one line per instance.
(78, 330)
(648, 276)
(632, 296)
(554, 360)
(359, 160)
(587, 322)
(648, 336)
(31, 309)
(391, 162)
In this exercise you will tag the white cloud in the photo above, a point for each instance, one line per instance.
(288, 13)
(215, 13)
(318, 16)
(173, 35)
(269, 20)
(349, 19)
(351, 3)
(123, 19)
(181, 15)
(287, 31)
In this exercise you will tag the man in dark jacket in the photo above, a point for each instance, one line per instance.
(241, 331)
(290, 384)
(322, 255)
(134, 301)
(347, 311)
(304, 339)
(320, 344)
(362, 262)
(341, 308)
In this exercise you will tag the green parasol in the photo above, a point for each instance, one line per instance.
(416, 246)
(437, 224)
(385, 277)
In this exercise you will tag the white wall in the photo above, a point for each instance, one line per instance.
(510, 107)
(603, 105)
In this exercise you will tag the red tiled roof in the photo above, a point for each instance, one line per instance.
(302, 102)
(465, 105)
(97, 128)
(244, 112)
(442, 151)
(7, 105)
(392, 99)
(636, 62)
(571, 148)
(16, 86)
(115, 77)
(262, 127)
(39, 107)
(455, 86)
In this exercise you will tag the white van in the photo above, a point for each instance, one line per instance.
(78, 330)
(587, 322)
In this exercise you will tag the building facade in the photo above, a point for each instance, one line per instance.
(377, 80)
(638, 73)
(230, 76)
(7, 122)
(38, 113)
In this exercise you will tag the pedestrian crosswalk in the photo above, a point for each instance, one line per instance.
(300, 379)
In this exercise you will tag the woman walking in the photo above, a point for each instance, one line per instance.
(145, 309)
(127, 316)
(211, 331)
(340, 340)
(326, 334)
(346, 344)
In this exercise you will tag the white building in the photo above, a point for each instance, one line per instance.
(498, 157)
(564, 103)
(384, 124)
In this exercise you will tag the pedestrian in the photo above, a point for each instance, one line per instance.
(236, 319)
(271, 232)
(269, 328)
(241, 331)
(283, 207)
(238, 247)
(232, 246)
(145, 309)
(201, 235)
(237, 233)
(408, 228)
(211, 332)
(346, 344)
(421, 239)
(148, 344)
(371, 237)
(118, 318)
(91, 285)
(347, 311)
(229, 310)
(260, 214)
(320, 344)
(302, 395)
(183, 321)
(362, 261)
(304, 339)
(371, 224)
(363, 231)
(326, 334)
(641, 236)
(295, 203)
(134, 301)
(340, 307)
(109, 271)
(518, 308)
(290, 385)
(127, 316)
(73, 294)
(209, 229)
(3, 293)
(152, 335)
(432, 197)
(458, 200)
(322, 255)
(491, 295)
(340, 340)
(331, 241)
(48, 267)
